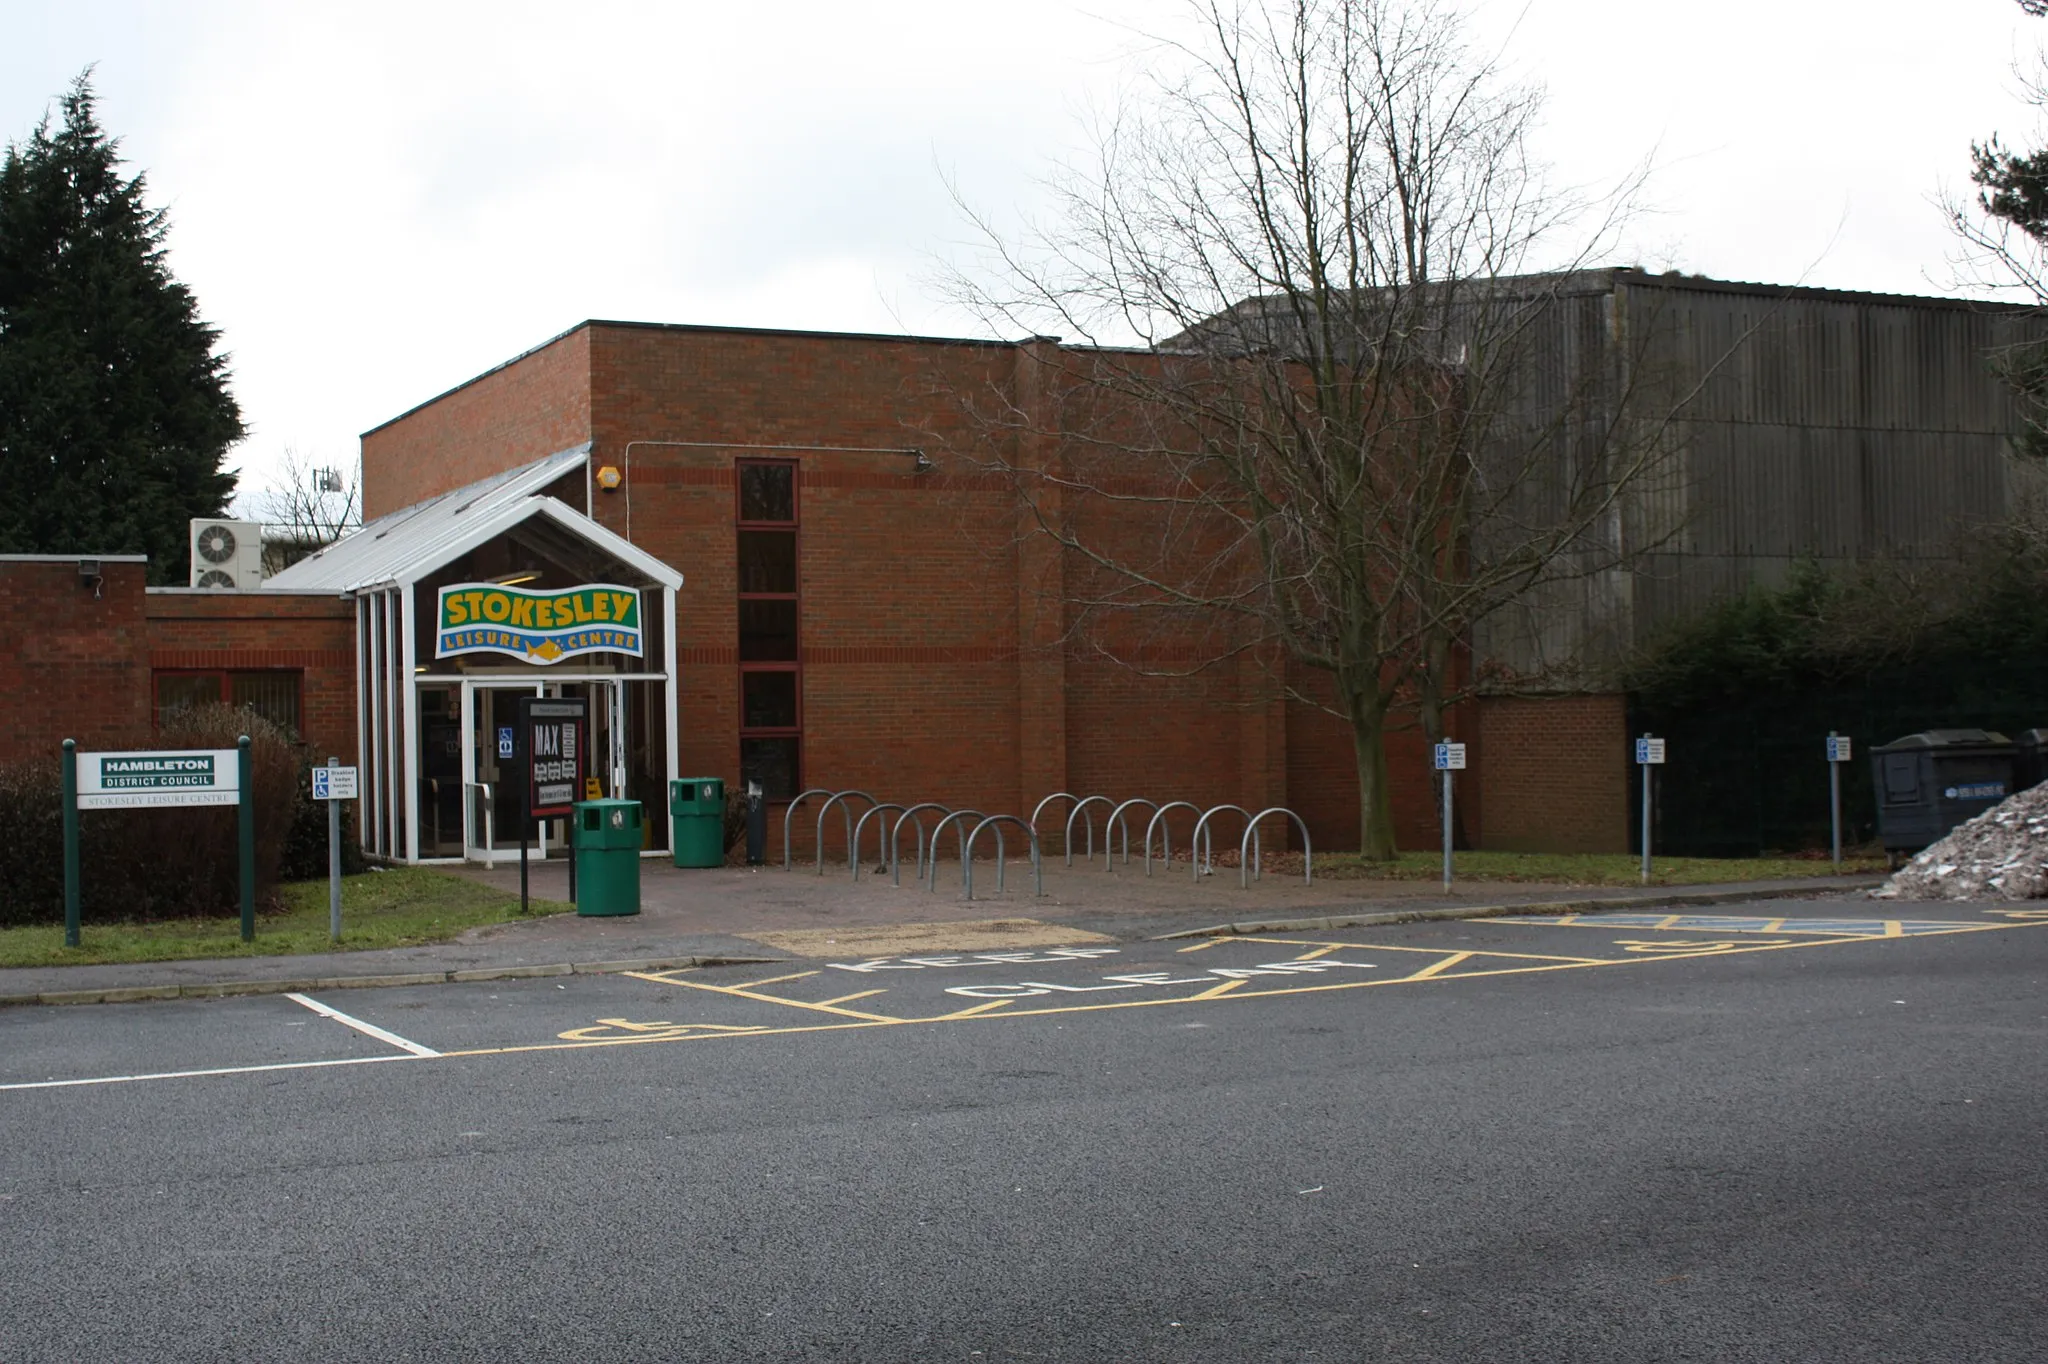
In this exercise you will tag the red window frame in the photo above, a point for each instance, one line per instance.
(223, 679)
(792, 666)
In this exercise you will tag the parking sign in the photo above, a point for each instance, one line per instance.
(1649, 752)
(1450, 757)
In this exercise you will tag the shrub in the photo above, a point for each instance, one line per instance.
(147, 864)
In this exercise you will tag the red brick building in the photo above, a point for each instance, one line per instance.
(830, 592)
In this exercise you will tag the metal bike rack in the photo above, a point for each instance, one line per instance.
(940, 828)
(1201, 823)
(1248, 872)
(1116, 820)
(853, 847)
(1166, 832)
(1088, 823)
(1039, 808)
(789, 818)
(896, 839)
(845, 810)
(998, 821)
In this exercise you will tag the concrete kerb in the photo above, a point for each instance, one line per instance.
(222, 989)
(1590, 905)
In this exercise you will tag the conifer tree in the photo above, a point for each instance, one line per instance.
(115, 413)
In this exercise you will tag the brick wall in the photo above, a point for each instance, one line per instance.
(72, 664)
(311, 634)
(940, 658)
(513, 415)
(1555, 773)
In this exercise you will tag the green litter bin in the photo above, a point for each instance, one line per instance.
(696, 812)
(606, 840)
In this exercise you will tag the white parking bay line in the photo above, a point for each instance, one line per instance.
(192, 1074)
(366, 1029)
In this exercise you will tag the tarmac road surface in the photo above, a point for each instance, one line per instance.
(1792, 1131)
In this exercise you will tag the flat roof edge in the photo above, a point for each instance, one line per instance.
(74, 558)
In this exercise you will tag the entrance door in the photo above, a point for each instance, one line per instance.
(492, 801)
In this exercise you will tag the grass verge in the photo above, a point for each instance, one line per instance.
(400, 907)
(1573, 869)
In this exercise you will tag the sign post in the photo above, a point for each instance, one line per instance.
(334, 784)
(553, 734)
(139, 781)
(1649, 755)
(1448, 758)
(71, 843)
(1838, 753)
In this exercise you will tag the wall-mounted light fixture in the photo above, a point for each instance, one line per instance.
(524, 575)
(922, 464)
(89, 574)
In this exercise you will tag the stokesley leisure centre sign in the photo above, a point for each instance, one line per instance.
(541, 627)
(133, 781)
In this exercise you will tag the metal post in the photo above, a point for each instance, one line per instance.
(334, 863)
(71, 843)
(525, 829)
(246, 803)
(1647, 770)
(1835, 799)
(1447, 830)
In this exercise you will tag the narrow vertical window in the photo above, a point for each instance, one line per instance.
(771, 674)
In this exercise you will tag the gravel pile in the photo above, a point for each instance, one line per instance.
(2002, 854)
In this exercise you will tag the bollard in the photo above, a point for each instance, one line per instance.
(757, 825)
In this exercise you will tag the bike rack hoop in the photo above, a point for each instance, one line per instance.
(789, 815)
(845, 810)
(1245, 874)
(998, 821)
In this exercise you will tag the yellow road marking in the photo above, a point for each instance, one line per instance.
(971, 1012)
(1671, 920)
(1319, 952)
(1446, 964)
(1389, 947)
(862, 994)
(1204, 945)
(776, 980)
(1894, 929)
(744, 992)
(1224, 991)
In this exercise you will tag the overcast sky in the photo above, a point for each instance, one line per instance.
(375, 201)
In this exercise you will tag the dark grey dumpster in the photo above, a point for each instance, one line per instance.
(2030, 763)
(1928, 783)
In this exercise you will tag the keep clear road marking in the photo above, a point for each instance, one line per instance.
(366, 1029)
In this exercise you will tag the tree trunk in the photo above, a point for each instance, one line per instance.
(1375, 796)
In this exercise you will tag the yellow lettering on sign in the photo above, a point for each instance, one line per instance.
(622, 602)
(457, 615)
(497, 606)
(475, 602)
(522, 611)
(601, 606)
(544, 614)
(582, 611)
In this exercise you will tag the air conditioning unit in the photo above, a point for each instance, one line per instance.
(227, 553)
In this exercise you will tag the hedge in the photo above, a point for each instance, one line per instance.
(149, 864)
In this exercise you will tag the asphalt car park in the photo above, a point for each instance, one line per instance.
(468, 1022)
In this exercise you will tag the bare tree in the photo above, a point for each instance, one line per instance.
(308, 507)
(1360, 415)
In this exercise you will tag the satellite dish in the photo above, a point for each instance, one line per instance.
(216, 546)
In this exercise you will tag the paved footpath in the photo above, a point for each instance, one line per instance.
(739, 914)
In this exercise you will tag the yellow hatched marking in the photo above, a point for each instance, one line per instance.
(744, 992)
(861, 994)
(988, 1013)
(989, 1007)
(772, 980)
(1672, 920)
(1774, 926)
(1319, 952)
(1440, 967)
(1428, 951)
(1203, 945)
(1894, 929)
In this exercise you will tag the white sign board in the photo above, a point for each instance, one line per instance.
(334, 783)
(1450, 757)
(134, 781)
(1650, 752)
(1838, 749)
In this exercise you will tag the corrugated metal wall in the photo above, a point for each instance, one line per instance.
(1808, 424)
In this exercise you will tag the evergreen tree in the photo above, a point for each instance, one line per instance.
(114, 405)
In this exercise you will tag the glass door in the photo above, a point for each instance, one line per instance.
(492, 801)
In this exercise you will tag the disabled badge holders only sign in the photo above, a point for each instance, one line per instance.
(554, 733)
(1650, 752)
(1450, 757)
